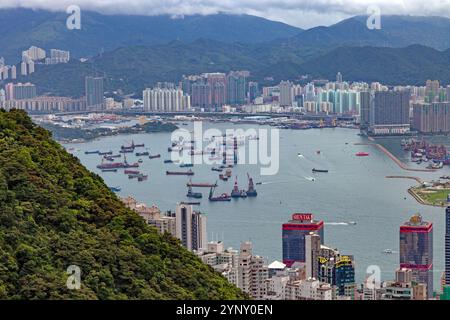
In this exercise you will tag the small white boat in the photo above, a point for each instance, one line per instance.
(387, 251)
(352, 223)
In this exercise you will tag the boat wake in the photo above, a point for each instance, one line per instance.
(310, 178)
(337, 223)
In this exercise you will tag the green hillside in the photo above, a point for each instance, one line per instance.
(55, 213)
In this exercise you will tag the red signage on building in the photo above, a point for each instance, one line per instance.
(302, 216)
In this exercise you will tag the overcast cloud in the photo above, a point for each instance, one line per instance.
(301, 13)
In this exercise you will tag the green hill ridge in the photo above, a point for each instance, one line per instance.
(55, 213)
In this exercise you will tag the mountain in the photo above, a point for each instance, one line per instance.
(132, 69)
(22, 28)
(393, 66)
(396, 31)
(55, 213)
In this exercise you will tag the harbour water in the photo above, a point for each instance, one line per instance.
(355, 189)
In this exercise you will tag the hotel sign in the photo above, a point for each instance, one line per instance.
(302, 216)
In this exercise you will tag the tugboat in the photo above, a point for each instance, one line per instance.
(191, 194)
(251, 192)
(222, 197)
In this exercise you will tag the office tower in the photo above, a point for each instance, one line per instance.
(431, 117)
(190, 227)
(389, 114)
(339, 77)
(20, 91)
(94, 93)
(253, 91)
(286, 96)
(165, 100)
(337, 270)
(293, 236)
(236, 87)
(416, 250)
(252, 272)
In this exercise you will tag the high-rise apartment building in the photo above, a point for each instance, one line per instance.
(389, 114)
(19, 91)
(252, 272)
(94, 93)
(286, 94)
(236, 87)
(416, 250)
(165, 100)
(190, 227)
(431, 117)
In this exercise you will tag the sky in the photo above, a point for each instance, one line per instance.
(300, 13)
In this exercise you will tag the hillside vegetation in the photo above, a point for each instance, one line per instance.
(55, 213)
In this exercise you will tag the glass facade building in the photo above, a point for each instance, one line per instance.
(293, 236)
(416, 250)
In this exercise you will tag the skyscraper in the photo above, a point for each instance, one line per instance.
(236, 87)
(94, 93)
(416, 250)
(190, 227)
(293, 236)
(366, 98)
(339, 77)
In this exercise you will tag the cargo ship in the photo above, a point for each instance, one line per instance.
(126, 151)
(131, 172)
(319, 170)
(191, 194)
(222, 197)
(140, 154)
(201, 185)
(251, 192)
(132, 146)
(186, 165)
(180, 173)
(154, 156)
(107, 153)
(109, 170)
(92, 152)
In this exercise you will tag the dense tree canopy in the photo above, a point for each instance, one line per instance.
(55, 213)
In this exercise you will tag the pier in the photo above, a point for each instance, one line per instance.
(394, 158)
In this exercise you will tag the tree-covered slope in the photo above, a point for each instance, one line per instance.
(55, 213)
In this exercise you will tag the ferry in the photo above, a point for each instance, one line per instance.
(362, 154)
(180, 173)
(319, 170)
(154, 156)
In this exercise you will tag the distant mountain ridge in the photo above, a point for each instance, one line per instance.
(22, 28)
(132, 69)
